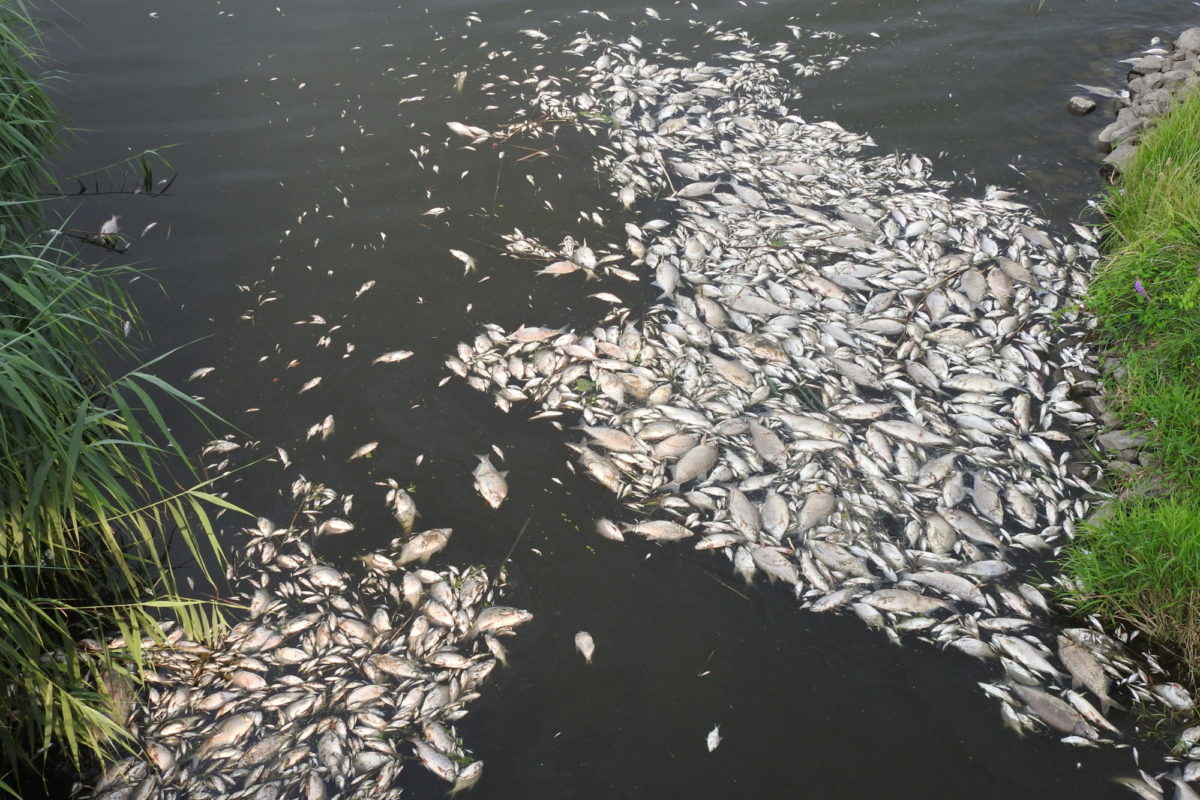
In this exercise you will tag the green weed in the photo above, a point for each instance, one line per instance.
(1141, 565)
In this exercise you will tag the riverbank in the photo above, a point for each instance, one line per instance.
(88, 467)
(1138, 564)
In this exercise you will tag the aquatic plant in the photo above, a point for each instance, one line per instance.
(1141, 563)
(97, 494)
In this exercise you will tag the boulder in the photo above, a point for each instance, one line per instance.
(1095, 405)
(1175, 78)
(1080, 105)
(1189, 40)
(1146, 64)
(1154, 80)
(1121, 440)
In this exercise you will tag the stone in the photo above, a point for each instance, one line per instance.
(1154, 104)
(1083, 388)
(1175, 78)
(1126, 125)
(1154, 80)
(1095, 405)
(1123, 469)
(1137, 85)
(1189, 40)
(1100, 515)
(1121, 440)
(1118, 160)
(1080, 105)
(1141, 66)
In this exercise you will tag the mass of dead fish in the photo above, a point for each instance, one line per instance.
(332, 685)
(852, 383)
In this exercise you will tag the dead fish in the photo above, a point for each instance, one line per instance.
(335, 526)
(660, 530)
(394, 357)
(713, 739)
(490, 483)
(585, 645)
(469, 263)
(424, 546)
(496, 618)
(365, 450)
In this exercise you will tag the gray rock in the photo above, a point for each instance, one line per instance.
(1127, 124)
(1100, 515)
(1141, 66)
(1080, 105)
(1095, 405)
(1123, 469)
(1137, 85)
(1154, 104)
(1121, 440)
(1147, 460)
(1175, 78)
(1146, 487)
(1118, 160)
(1084, 388)
(1189, 40)
(1154, 80)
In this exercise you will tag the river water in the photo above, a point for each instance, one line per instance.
(297, 178)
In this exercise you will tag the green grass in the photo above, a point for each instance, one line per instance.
(95, 491)
(1141, 564)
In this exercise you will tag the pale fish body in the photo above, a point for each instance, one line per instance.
(713, 740)
(696, 463)
(661, 530)
(585, 645)
(467, 777)
(424, 546)
(435, 761)
(490, 482)
(495, 618)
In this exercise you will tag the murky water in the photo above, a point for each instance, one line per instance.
(296, 177)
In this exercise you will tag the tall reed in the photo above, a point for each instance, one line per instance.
(94, 489)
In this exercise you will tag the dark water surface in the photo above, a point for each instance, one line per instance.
(809, 706)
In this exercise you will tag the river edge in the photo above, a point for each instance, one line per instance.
(1134, 563)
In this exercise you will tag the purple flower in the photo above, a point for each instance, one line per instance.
(1140, 289)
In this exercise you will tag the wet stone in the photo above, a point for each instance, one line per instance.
(1080, 105)
(1141, 66)
(1118, 160)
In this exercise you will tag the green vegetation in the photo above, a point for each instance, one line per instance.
(1141, 564)
(88, 467)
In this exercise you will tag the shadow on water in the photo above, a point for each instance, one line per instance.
(808, 705)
